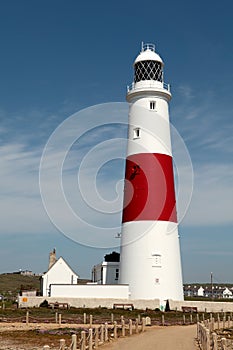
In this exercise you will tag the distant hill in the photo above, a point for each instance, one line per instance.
(10, 283)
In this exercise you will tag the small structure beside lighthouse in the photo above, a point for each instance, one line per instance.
(150, 253)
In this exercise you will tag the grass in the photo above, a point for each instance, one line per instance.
(100, 315)
(35, 338)
(10, 284)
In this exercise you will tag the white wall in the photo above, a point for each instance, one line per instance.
(25, 302)
(90, 291)
(106, 273)
(209, 306)
(59, 273)
(111, 275)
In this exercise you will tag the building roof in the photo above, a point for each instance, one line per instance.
(148, 55)
(65, 262)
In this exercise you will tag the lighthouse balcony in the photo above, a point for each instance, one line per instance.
(148, 85)
(148, 88)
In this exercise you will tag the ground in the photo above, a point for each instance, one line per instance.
(157, 338)
(19, 336)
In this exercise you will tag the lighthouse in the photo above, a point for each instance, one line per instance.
(150, 260)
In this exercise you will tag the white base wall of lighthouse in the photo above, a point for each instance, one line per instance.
(150, 260)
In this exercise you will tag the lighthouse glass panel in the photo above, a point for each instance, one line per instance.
(148, 70)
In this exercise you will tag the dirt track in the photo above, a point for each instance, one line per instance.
(166, 338)
(155, 338)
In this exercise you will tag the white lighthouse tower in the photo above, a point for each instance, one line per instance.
(150, 253)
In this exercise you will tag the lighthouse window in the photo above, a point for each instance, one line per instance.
(136, 133)
(157, 261)
(117, 275)
(152, 105)
(148, 70)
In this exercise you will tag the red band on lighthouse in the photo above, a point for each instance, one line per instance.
(149, 188)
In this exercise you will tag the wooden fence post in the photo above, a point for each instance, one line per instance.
(130, 327)
(207, 339)
(27, 317)
(163, 320)
(90, 339)
(215, 341)
(112, 318)
(123, 328)
(62, 344)
(224, 321)
(96, 338)
(139, 318)
(228, 322)
(191, 318)
(213, 322)
(59, 318)
(74, 342)
(102, 333)
(106, 332)
(122, 319)
(136, 326)
(56, 319)
(84, 318)
(218, 320)
(83, 340)
(183, 318)
(91, 319)
(223, 344)
(143, 324)
(209, 325)
(203, 317)
(115, 330)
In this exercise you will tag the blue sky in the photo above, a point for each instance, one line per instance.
(60, 57)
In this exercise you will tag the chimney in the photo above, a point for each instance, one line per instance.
(52, 258)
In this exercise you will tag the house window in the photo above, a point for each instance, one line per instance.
(136, 133)
(152, 105)
(117, 275)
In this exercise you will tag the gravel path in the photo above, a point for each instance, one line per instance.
(157, 338)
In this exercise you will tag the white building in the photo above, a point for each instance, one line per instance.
(200, 292)
(107, 272)
(59, 273)
(227, 293)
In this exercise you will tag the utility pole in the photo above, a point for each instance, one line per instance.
(211, 282)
